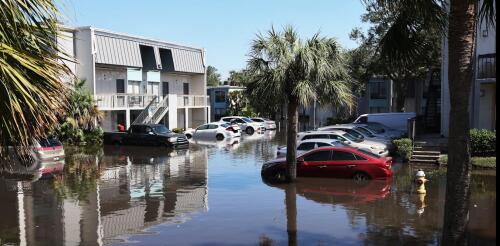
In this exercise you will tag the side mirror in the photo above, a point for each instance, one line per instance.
(347, 142)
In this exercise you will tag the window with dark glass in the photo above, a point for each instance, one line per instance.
(212, 126)
(306, 146)
(202, 127)
(220, 96)
(343, 156)
(324, 155)
(378, 90)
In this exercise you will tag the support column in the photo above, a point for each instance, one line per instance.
(186, 118)
(207, 115)
(127, 118)
(172, 111)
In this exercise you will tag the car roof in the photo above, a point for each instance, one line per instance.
(319, 140)
(339, 126)
(322, 132)
(349, 148)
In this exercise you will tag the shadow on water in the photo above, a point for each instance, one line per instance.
(154, 196)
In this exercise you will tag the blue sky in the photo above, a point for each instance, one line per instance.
(224, 28)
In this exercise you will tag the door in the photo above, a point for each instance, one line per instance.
(164, 89)
(315, 164)
(120, 89)
(185, 91)
(343, 164)
(154, 89)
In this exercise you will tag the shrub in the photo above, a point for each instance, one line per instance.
(483, 162)
(404, 147)
(178, 130)
(94, 136)
(483, 142)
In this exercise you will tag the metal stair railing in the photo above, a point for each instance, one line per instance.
(145, 114)
(161, 110)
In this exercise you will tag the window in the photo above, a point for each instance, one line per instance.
(202, 127)
(321, 145)
(360, 158)
(220, 96)
(354, 133)
(161, 129)
(343, 156)
(140, 129)
(212, 126)
(227, 119)
(378, 90)
(306, 146)
(316, 136)
(164, 89)
(134, 87)
(186, 88)
(120, 86)
(324, 155)
(219, 112)
(257, 120)
(364, 131)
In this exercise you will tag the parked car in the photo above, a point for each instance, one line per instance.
(268, 124)
(214, 130)
(147, 134)
(333, 162)
(398, 121)
(359, 132)
(309, 144)
(381, 130)
(246, 124)
(375, 147)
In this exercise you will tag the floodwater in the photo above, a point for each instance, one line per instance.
(212, 194)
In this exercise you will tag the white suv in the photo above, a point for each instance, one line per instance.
(217, 130)
(375, 147)
(268, 124)
(246, 125)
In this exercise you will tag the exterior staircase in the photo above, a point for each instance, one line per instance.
(432, 114)
(425, 154)
(153, 113)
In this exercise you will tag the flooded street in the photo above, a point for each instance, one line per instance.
(213, 194)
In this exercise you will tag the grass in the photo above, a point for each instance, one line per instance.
(477, 162)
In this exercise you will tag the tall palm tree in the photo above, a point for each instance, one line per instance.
(296, 71)
(31, 92)
(460, 25)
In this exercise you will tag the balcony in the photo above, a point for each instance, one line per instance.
(191, 101)
(123, 101)
(486, 66)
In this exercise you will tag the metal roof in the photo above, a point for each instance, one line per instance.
(117, 51)
(187, 61)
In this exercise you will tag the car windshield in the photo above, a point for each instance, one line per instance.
(366, 152)
(375, 127)
(365, 132)
(225, 125)
(49, 142)
(352, 138)
(257, 120)
(161, 129)
(247, 120)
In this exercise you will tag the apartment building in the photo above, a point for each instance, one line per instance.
(483, 98)
(218, 99)
(139, 80)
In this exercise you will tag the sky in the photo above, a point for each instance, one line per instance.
(224, 28)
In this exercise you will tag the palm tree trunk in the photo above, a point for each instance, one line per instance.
(460, 50)
(291, 140)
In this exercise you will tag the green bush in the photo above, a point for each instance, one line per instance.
(178, 130)
(483, 142)
(404, 147)
(94, 137)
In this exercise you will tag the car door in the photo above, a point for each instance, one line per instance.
(211, 130)
(200, 131)
(315, 164)
(150, 137)
(343, 164)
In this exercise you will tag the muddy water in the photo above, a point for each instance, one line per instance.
(212, 194)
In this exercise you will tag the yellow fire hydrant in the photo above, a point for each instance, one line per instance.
(420, 180)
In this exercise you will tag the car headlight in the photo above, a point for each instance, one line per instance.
(172, 139)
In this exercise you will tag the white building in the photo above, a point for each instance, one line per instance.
(136, 79)
(483, 98)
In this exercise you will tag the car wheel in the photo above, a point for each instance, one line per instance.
(219, 137)
(360, 177)
(249, 130)
(188, 136)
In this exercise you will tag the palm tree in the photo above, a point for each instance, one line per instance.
(31, 92)
(460, 25)
(297, 72)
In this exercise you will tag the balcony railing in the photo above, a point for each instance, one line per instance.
(486, 66)
(122, 101)
(192, 101)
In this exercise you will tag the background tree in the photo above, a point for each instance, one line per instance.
(31, 92)
(402, 45)
(213, 77)
(287, 68)
(423, 42)
(238, 78)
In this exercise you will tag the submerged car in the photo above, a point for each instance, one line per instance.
(214, 130)
(268, 124)
(333, 162)
(246, 124)
(310, 144)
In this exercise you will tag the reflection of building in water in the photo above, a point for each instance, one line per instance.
(128, 197)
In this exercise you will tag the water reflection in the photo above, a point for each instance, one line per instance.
(103, 196)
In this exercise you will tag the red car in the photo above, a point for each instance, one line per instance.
(334, 162)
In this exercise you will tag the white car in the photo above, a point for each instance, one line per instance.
(381, 130)
(375, 147)
(214, 130)
(226, 144)
(357, 131)
(246, 124)
(309, 144)
(268, 124)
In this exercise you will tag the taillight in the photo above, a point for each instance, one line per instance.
(229, 129)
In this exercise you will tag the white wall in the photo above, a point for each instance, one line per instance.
(65, 40)
(106, 79)
(487, 104)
